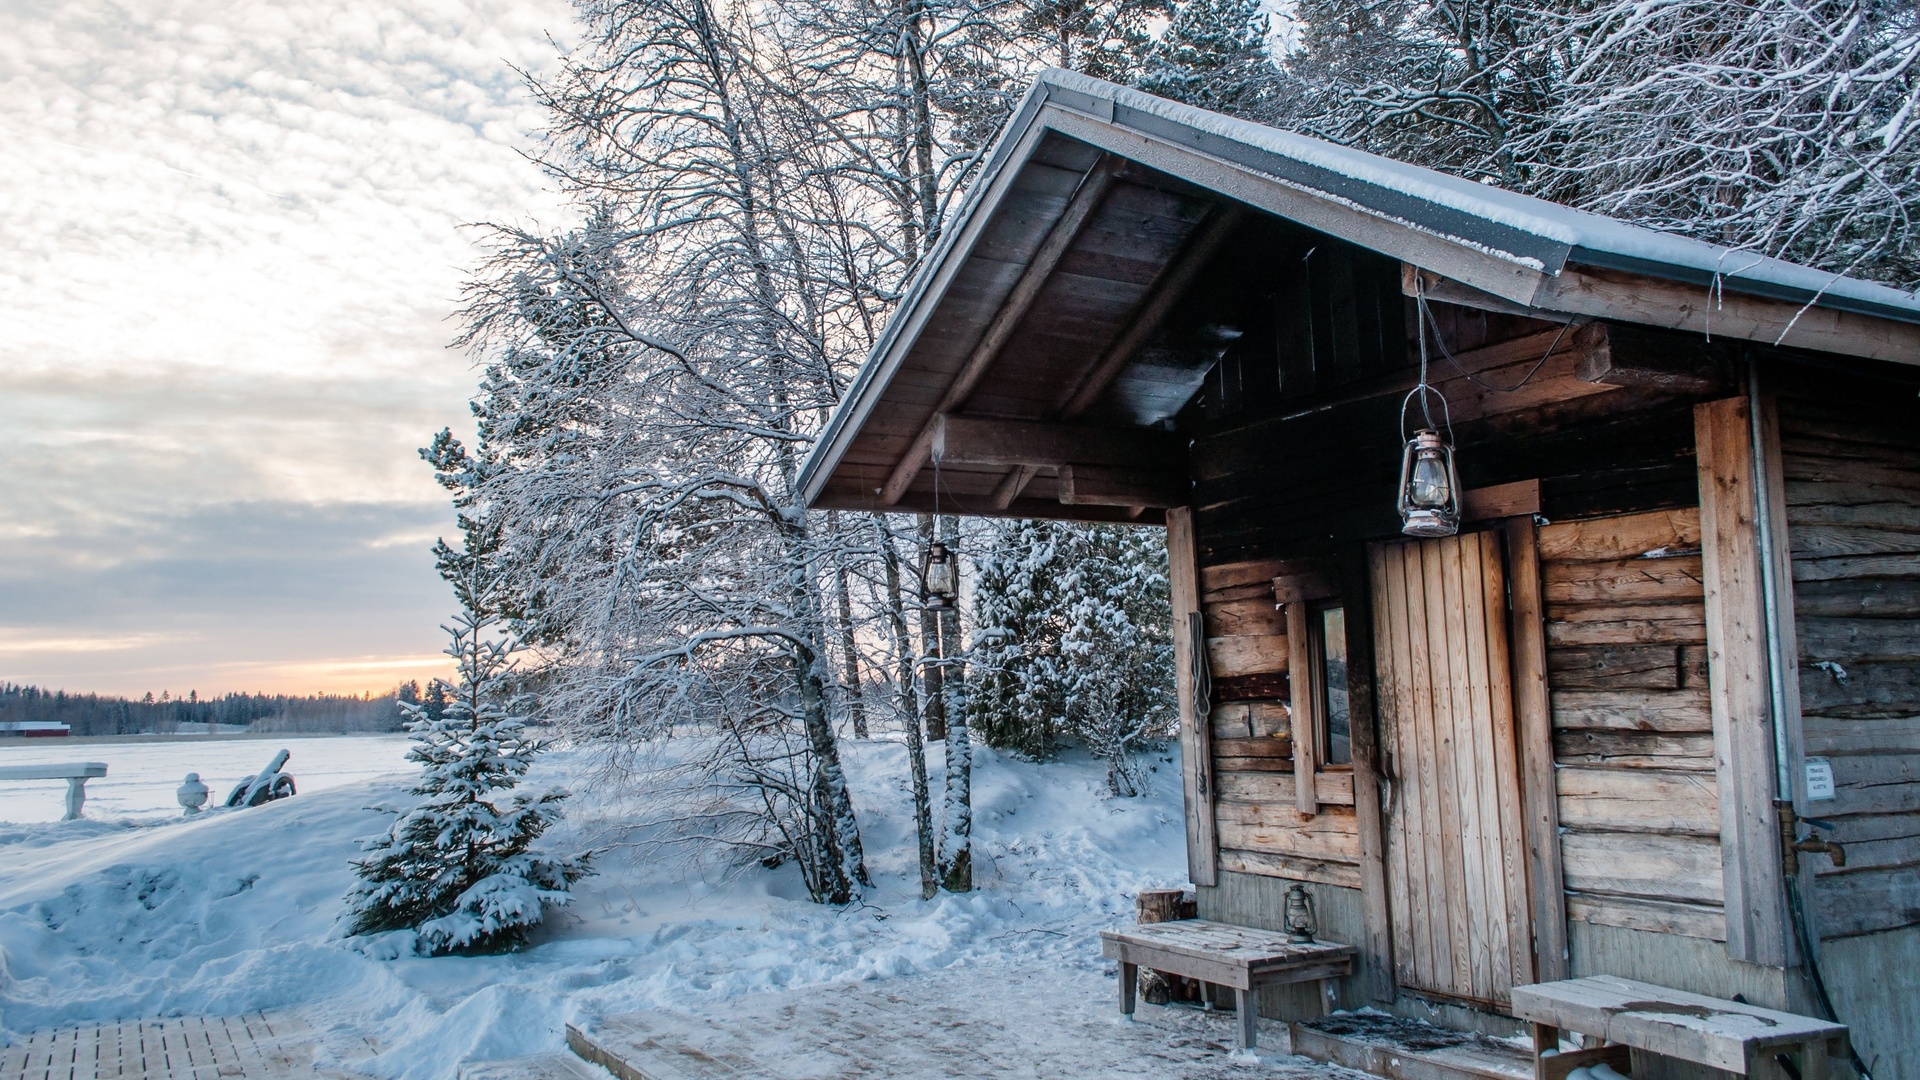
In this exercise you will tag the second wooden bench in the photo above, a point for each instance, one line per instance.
(1625, 1014)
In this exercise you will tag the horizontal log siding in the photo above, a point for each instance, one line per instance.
(1260, 829)
(1312, 474)
(1852, 480)
(1633, 737)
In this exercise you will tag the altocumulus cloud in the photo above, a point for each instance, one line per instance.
(233, 243)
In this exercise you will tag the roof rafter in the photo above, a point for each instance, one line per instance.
(1086, 199)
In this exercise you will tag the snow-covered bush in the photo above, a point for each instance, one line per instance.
(458, 868)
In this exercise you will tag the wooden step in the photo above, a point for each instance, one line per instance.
(1402, 1049)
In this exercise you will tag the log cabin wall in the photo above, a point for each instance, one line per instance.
(1850, 461)
(1852, 480)
(1632, 733)
(1291, 473)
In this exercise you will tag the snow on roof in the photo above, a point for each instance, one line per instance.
(1529, 231)
(1532, 234)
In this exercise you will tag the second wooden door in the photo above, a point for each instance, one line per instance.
(1456, 868)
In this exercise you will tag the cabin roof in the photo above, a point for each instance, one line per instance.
(1036, 312)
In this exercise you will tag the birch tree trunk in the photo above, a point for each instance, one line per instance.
(909, 713)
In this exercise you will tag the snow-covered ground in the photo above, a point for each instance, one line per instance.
(140, 915)
(143, 771)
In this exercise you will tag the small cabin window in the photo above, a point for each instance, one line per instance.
(1336, 732)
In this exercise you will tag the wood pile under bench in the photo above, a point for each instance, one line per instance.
(1623, 1014)
(1238, 957)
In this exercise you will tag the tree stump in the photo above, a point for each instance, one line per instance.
(1165, 905)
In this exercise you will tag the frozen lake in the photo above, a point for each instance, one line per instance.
(142, 772)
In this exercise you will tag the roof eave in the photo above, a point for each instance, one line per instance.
(1017, 140)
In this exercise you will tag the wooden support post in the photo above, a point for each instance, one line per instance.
(1303, 701)
(1738, 688)
(1129, 978)
(1196, 745)
(1813, 1061)
(1534, 719)
(1161, 905)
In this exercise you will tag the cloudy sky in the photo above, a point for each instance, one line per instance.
(230, 244)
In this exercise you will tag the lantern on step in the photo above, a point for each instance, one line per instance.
(1299, 915)
(940, 578)
(1429, 486)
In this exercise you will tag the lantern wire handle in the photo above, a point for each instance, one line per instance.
(1423, 388)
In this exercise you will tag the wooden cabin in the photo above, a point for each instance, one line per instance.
(1629, 720)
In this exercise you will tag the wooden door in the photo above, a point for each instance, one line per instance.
(1456, 855)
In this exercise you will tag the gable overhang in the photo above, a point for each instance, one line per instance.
(1456, 241)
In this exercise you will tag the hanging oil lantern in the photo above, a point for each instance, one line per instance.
(940, 577)
(1429, 486)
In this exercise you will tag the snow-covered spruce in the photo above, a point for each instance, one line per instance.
(458, 869)
(1074, 641)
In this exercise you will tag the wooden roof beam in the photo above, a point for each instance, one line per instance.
(1080, 208)
(967, 440)
(1014, 483)
(1101, 485)
(1628, 298)
(1166, 291)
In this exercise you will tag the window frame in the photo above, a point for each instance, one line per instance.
(1304, 595)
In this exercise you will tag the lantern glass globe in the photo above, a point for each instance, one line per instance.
(1430, 488)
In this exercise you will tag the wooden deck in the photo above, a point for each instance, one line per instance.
(1031, 1023)
(257, 1046)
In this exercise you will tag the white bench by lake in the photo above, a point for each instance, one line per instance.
(75, 773)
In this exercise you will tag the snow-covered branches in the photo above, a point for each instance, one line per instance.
(1074, 640)
(1789, 127)
(1786, 127)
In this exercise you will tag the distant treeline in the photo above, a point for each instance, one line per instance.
(96, 714)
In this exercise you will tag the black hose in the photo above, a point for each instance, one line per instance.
(1798, 910)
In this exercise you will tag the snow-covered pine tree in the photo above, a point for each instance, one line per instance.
(1116, 649)
(459, 869)
(1018, 695)
(1214, 55)
(1075, 640)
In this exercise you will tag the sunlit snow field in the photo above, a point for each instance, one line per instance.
(135, 911)
(143, 772)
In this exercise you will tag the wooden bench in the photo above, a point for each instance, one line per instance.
(1234, 956)
(75, 773)
(1624, 1014)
